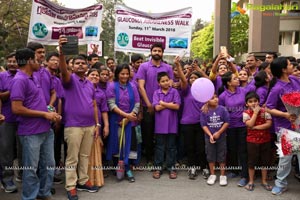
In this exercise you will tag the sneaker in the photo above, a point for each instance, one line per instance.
(242, 182)
(278, 190)
(57, 172)
(57, 180)
(130, 176)
(232, 175)
(53, 191)
(9, 187)
(88, 187)
(223, 180)
(19, 178)
(211, 179)
(72, 195)
(205, 173)
(192, 174)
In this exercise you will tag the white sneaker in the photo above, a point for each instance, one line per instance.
(223, 180)
(211, 179)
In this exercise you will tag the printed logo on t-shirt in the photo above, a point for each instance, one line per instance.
(215, 121)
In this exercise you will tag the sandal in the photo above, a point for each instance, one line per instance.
(267, 187)
(156, 174)
(249, 187)
(173, 175)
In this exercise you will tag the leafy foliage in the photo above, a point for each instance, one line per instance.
(239, 34)
(202, 43)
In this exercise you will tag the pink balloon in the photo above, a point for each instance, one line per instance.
(202, 89)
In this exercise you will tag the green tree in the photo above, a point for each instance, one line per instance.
(199, 24)
(239, 34)
(202, 43)
(14, 22)
(108, 26)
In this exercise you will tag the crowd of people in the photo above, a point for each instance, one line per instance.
(142, 110)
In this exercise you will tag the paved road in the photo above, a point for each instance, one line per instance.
(146, 188)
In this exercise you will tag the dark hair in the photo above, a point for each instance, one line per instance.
(225, 79)
(196, 73)
(277, 65)
(69, 59)
(79, 57)
(274, 54)
(97, 65)
(251, 95)
(161, 74)
(118, 70)
(91, 56)
(136, 57)
(291, 59)
(108, 59)
(263, 65)
(93, 70)
(260, 79)
(82, 55)
(222, 65)
(13, 54)
(104, 68)
(295, 64)
(34, 46)
(158, 45)
(247, 71)
(50, 55)
(24, 55)
(252, 55)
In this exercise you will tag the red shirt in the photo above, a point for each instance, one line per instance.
(257, 136)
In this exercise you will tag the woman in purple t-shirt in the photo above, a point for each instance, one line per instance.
(233, 98)
(124, 103)
(281, 83)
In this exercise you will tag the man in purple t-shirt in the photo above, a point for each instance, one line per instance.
(81, 123)
(8, 129)
(147, 83)
(42, 75)
(28, 102)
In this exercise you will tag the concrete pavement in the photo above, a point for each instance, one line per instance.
(147, 188)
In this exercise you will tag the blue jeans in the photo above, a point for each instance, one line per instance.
(284, 169)
(38, 153)
(165, 141)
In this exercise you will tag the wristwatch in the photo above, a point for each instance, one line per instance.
(99, 125)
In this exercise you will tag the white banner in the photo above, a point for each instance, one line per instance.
(136, 31)
(48, 21)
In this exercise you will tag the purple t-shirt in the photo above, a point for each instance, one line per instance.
(79, 106)
(218, 83)
(124, 102)
(28, 90)
(235, 104)
(44, 78)
(274, 100)
(214, 119)
(191, 108)
(262, 93)
(166, 121)
(101, 102)
(5, 82)
(148, 72)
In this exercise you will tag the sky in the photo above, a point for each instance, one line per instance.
(204, 11)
